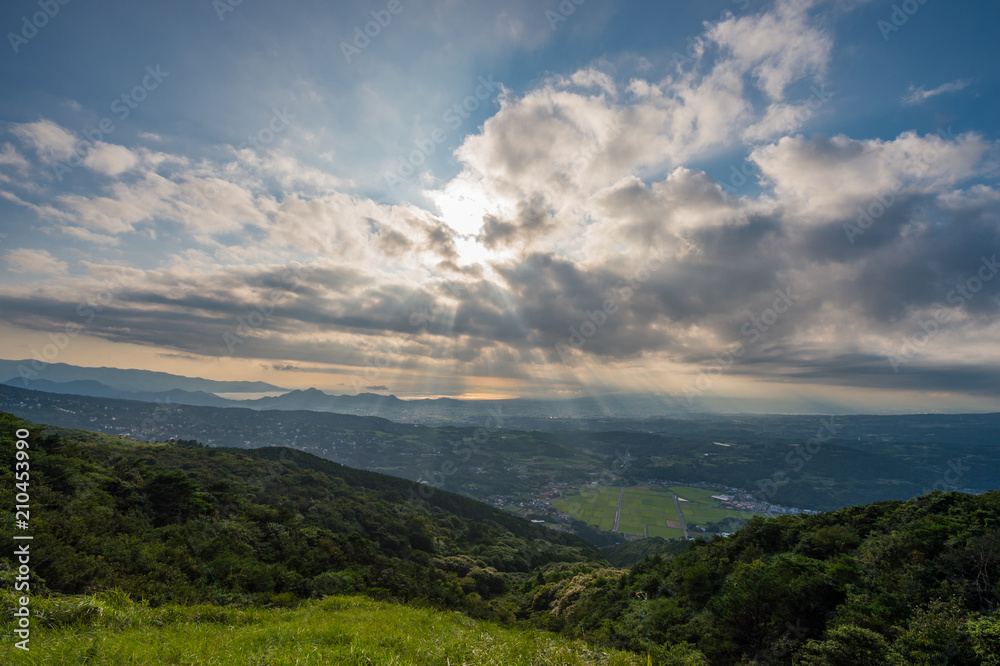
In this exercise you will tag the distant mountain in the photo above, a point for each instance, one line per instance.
(93, 389)
(533, 413)
(318, 401)
(132, 381)
(431, 409)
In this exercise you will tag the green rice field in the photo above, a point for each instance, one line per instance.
(646, 510)
(701, 509)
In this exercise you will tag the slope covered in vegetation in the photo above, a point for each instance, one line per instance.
(914, 582)
(110, 628)
(177, 526)
(179, 523)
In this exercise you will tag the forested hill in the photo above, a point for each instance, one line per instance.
(892, 583)
(181, 523)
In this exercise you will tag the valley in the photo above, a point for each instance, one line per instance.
(763, 461)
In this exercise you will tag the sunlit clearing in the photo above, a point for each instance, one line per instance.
(462, 207)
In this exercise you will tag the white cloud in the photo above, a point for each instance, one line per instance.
(51, 141)
(10, 157)
(44, 211)
(779, 120)
(777, 47)
(110, 159)
(824, 178)
(919, 95)
(594, 78)
(24, 260)
(560, 145)
(87, 236)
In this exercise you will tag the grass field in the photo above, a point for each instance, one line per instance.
(701, 509)
(112, 629)
(665, 532)
(642, 509)
(699, 495)
(645, 511)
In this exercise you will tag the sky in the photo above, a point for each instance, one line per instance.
(714, 202)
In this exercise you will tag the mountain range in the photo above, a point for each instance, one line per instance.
(148, 386)
(27, 373)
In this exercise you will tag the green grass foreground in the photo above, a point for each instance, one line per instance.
(112, 629)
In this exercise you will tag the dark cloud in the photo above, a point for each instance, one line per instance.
(394, 243)
(531, 221)
(876, 371)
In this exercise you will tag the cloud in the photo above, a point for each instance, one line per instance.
(110, 159)
(777, 47)
(915, 96)
(557, 145)
(825, 178)
(561, 197)
(10, 157)
(49, 140)
(25, 260)
(44, 211)
(594, 78)
(781, 119)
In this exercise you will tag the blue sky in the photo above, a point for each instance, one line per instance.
(585, 168)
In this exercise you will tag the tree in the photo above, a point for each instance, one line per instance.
(847, 645)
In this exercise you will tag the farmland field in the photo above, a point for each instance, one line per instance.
(700, 509)
(699, 495)
(665, 532)
(642, 508)
(647, 510)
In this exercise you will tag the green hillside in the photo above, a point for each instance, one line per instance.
(111, 629)
(178, 523)
(261, 554)
(628, 553)
(894, 583)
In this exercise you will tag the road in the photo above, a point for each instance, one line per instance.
(680, 515)
(618, 513)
